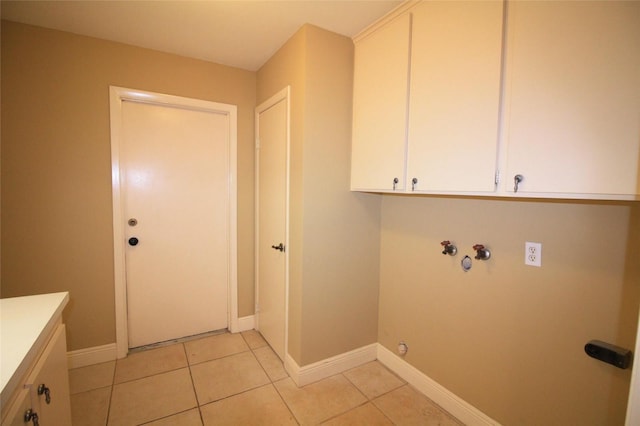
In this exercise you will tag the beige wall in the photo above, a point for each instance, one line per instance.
(506, 337)
(334, 245)
(56, 168)
(287, 68)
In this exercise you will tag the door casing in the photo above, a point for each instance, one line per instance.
(116, 96)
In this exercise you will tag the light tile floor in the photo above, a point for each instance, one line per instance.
(236, 379)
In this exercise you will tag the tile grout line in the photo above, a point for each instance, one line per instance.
(368, 400)
(113, 379)
(152, 375)
(272, 382)
(193, 384)
(355, 386)
(184, 351)
(216, 359)
(249, 349)
(253, 352)
(164, 417)
(284, 401)
(372, 400)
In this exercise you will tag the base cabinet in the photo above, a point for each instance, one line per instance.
(16, 414)
(46, 390)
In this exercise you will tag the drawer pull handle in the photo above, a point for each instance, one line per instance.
(31, 416)
(42, 389)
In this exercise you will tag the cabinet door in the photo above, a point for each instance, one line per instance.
(15, 415)
(573, 98)
(456, 60)
(51, 371)
(381, 70)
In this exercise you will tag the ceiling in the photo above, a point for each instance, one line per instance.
(238, 33)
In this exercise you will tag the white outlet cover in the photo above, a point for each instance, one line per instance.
(533, 254)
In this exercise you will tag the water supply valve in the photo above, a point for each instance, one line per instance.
(482, 253)
(449, 248)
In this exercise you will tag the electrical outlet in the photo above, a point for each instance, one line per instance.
(533, 254)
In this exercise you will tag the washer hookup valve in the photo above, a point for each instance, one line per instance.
(449, 248)
(482, 253)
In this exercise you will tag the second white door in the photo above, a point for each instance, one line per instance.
(175, 185)
(272, 129)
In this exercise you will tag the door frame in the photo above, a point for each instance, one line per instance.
(284, 94)
(116, 96)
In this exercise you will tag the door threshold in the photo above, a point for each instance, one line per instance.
(178, 340)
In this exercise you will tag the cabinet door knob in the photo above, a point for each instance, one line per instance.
(42, 389)
(414, 182)
(516, 181)
(31, 416)
(395, 182)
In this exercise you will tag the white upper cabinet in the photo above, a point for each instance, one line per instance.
(381, 72)
(454, 107)
(572, 116)
(451, 94)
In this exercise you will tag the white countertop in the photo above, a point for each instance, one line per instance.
(25, 322)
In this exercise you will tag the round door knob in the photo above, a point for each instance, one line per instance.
(133, 241)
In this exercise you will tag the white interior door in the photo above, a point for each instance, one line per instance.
(174, 165)
(272, 129)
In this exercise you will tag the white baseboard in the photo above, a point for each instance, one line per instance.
(246, 323)
(459, 408)
(90, 356)
(330, 366)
